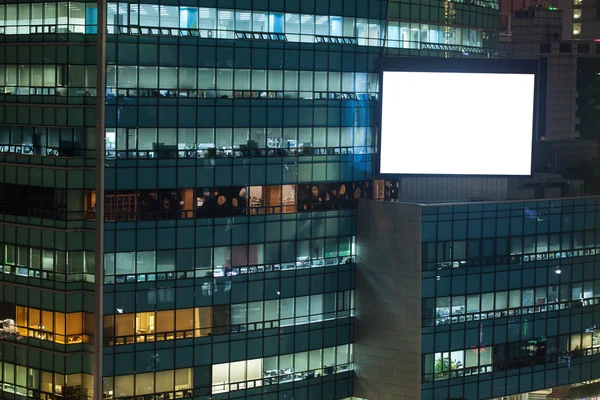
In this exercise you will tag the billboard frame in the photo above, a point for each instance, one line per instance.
(455, 65)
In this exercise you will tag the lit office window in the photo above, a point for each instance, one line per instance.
(170, 384)
(280, 369)
(577, 29)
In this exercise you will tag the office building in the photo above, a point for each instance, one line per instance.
(477, 300)
(567, 140)
(178, 184)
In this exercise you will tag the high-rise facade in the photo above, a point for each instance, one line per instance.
(477, 300)
(48, 155)
(178, 184)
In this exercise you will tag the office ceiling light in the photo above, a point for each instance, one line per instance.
(558, 271)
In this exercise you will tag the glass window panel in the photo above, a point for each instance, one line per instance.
(220, 375)
(77, 13)
(501, 300)
(237, 371)
(183, 378)
(149, 15)
(275, 80)
(63, 13)
(316, 306)
(24, 16)
(225, 21)
(238, 314)
(49, 13)
(315, 360)
(471, 358)
(74, 323)
(146, 262)
(243, 21)
(165, 321)
(307, 24)
(127, 77)
(184, 319)
(188, 17)
(11, 75)
(527, 297)
(487, 302)
(144, 383)
(485, 356)
(306, 81)
(259, 21)
(242, 79)
(329, 357)
(349, 27)
(259, 79)
(342, 354)
(540, 295)
(168, 77)
(301, 362)
(271, 309)
(287, 308)
(515, 299)
(124, 324)
(148, 78)
(320, 81)
(473, 303)
(208, 18)
(169, 16)
(322, 25)
(225, 79)
(206, 78)
(187, 78)
(164, 381)
(292, 23)
(76, 76)
(577, 291)
(254, 369)
(290, 80)
(255, 312)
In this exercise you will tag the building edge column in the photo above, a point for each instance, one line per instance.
(99, 212)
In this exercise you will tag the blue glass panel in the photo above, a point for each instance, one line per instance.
(188, 17)
(91, 18)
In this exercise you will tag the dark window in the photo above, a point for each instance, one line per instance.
(564, 48)
(583, 48)
(545, 48)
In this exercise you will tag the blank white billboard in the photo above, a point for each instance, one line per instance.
(448, 123)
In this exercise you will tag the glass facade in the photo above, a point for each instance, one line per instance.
(178, 184)
(48, 58)
(510, 297)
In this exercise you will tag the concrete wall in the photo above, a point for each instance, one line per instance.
(387, 343)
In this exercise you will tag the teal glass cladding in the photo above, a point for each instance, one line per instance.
(239, 138)
(510, 297)
(48, 156)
